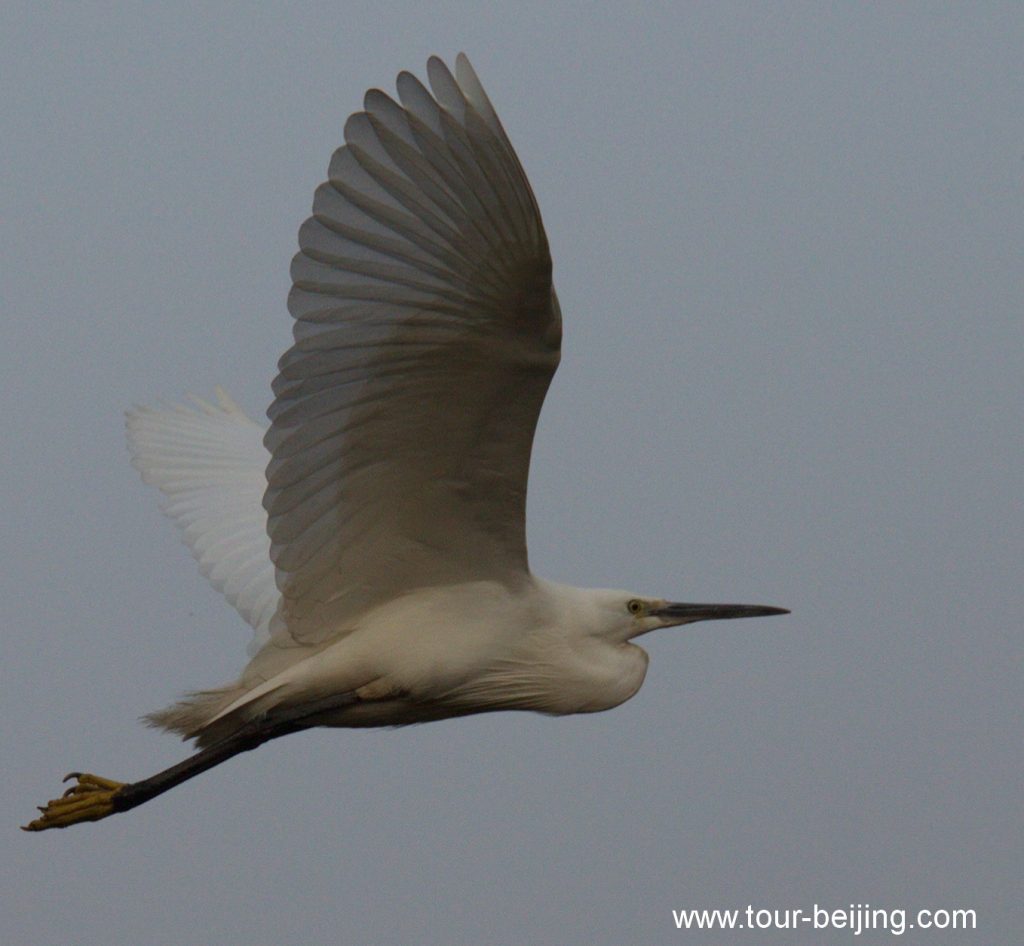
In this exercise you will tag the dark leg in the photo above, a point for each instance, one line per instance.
(93, 798)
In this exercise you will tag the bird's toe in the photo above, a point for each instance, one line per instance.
(89, 799)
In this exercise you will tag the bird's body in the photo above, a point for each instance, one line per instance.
(452, 650)
(374, 535)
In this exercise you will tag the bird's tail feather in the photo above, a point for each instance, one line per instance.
(190, 716)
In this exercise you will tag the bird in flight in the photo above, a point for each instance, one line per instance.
(374, 535)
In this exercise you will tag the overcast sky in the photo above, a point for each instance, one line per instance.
(788, 243)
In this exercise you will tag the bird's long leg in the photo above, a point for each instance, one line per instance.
(92, 798)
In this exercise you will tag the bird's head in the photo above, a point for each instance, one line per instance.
(625, 616)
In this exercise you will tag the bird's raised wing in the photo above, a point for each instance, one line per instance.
(209, 461)
(426, 334)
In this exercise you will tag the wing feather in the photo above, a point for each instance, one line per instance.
(426, 333)
(209, 462)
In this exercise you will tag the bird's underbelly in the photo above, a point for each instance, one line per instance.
(593, 685)
(421, 682)
(559, 683)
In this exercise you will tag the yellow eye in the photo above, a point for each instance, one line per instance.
(635, 607)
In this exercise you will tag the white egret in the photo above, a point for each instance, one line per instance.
(374, 536)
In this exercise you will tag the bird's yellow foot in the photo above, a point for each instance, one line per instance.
(89, 799)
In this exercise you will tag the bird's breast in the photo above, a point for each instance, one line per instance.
(569, 677)
(603, 676)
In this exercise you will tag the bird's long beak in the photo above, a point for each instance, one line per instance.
(678, 613)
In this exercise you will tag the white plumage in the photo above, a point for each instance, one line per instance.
(426, 333)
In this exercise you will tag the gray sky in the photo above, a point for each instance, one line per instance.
(788, 244)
